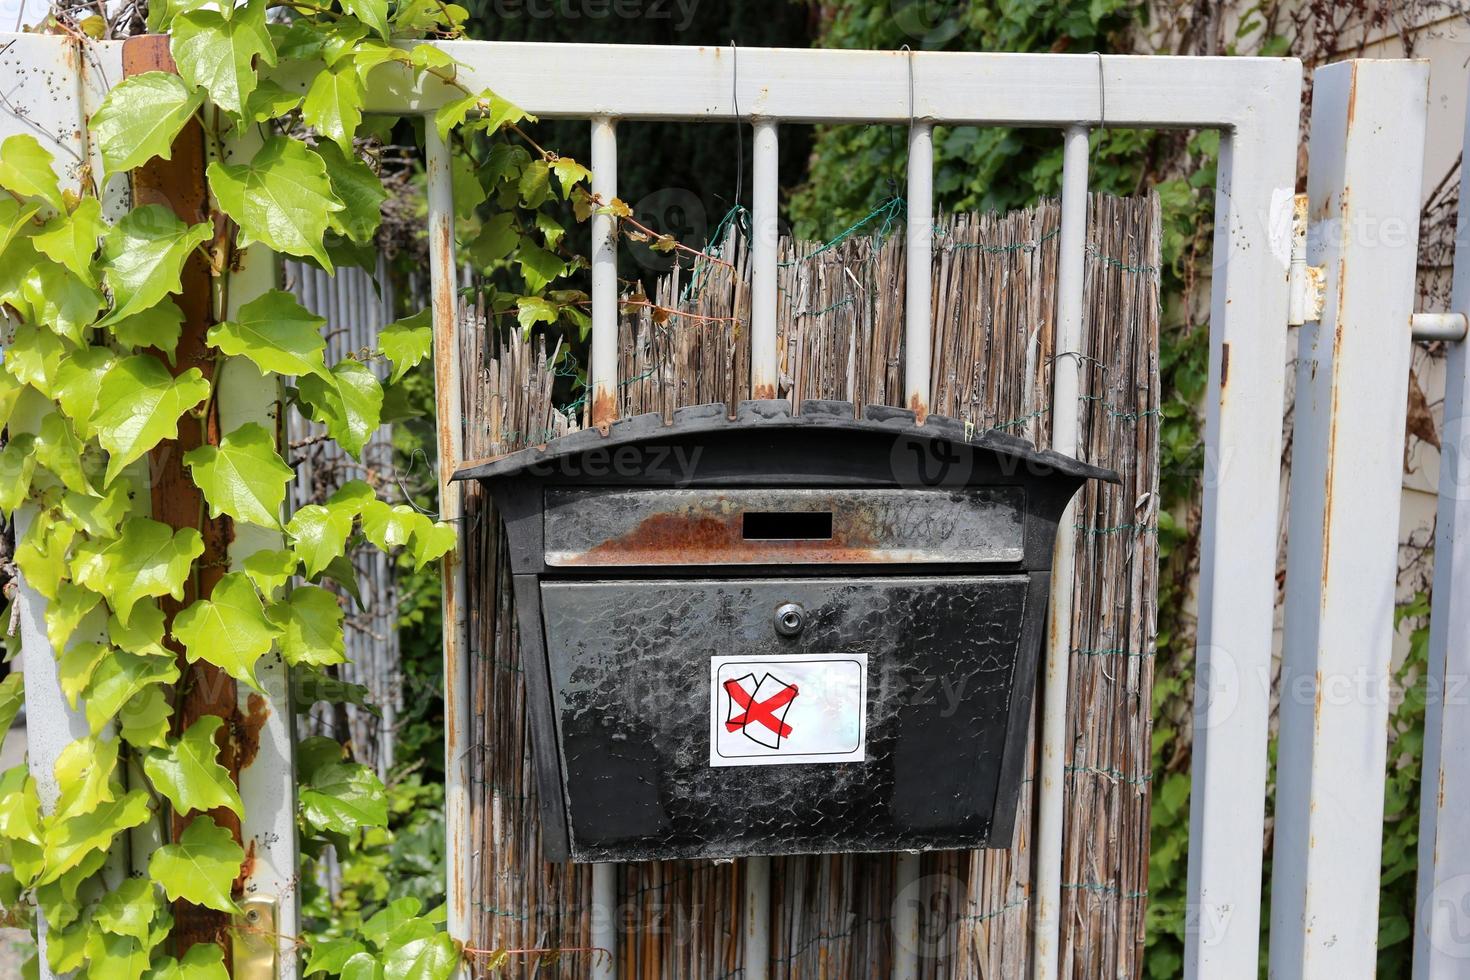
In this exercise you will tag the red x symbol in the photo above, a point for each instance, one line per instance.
(761, 711)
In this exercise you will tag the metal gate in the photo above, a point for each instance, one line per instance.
(1367, 130)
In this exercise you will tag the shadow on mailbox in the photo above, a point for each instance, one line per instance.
(779, 634)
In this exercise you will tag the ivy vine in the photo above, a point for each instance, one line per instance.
(87, 395)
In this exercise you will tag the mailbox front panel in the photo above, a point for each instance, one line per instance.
(695, 718)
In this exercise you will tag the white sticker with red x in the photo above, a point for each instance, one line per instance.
(793, 710)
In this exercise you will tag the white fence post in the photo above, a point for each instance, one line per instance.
(1237, 589)
(1366, 163)
(1442, 925)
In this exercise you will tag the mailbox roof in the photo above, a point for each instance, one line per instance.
(714, 420)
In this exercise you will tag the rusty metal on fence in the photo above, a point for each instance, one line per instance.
(840, 336)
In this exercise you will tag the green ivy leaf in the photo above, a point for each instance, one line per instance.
(432, 540)
(115, 957)
(76, 666)
(118, 678)
(158, 326)
(83, 771)
(318, 535)
(270, 569)
(344, 796)
(188, 771)
(146, 559)
(569, 173)
(330, 955)
(25, 169)
(373, 13)
(60, 451)
(63, 303)
(139, 406)
(350, 404)
(17, 465)
(229, 629)
(143, 256)
(538, 266)
(201, 867)
(362, 966)
(243, 476)
(408, 341)
(12, 699)
(282, 197)
(389, 918)
(34, 357)
(270, 101)
(70, 840)
(203, 961)
(140, 118)
(143, 634)
(78, 379)
(128, 909)
(71, 239)
(491, 113)
(276, 333)
(422, 959)
(333, 105)
(388, 526)
(41, 552)
(359, 189)
(65, 613)
(144, 721)
(220, 53)
(311, 627)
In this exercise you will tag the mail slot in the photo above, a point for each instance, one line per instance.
(781, 632)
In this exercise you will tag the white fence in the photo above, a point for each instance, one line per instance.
(1366, 140)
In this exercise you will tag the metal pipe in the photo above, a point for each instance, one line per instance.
(604, 274)
(448, 397)
(757, 960)
(905, 917)
(1066, 387)
(604, 922)
(765, 368)
(1439, 326)
(918, 331)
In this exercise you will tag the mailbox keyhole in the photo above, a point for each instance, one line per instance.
(790, 619)
(811, 525)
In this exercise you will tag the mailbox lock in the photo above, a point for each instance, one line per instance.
(790, 619)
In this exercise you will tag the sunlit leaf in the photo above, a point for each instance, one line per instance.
(146, 559)
(350, 404)
(333, 105)
(143, 256)
(188, 772)
(275, 332)
(118, 678)
(311, 627)
(139, 406)
(201, 867)
(229, 629)
(222, 54)
(25, 169)
(71, 239)
(140, 118)
(282, 197)
(243, 476)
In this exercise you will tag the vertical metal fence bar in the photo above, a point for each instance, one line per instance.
(1237, 588)
(1346, 483)
(1367, 134)
(757, 954)
(765, 368)
(918, 331)
(1066, 387)
(604, 275)
(1442, 926)
(448, 399)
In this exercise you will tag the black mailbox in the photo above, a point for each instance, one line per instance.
(779, 633)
